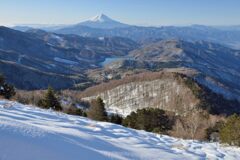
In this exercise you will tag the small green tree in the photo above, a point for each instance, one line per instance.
(6, 90)
(230, 132)
(75, 111)
(50, 100)
(97, 110)
(130, 120)
(149, 119)
(115, 118)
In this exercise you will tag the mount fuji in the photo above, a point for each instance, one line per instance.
(102, 21)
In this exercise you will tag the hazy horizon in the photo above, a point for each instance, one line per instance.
(146, 13)
(147, 25)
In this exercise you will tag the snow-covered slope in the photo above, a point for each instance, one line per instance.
(28, 133)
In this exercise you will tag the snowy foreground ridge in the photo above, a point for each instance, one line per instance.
(28, 133)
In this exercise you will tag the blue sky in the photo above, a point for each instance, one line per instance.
(140, 12)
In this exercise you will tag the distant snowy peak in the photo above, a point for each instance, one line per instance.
(101, 18)
(102, 21)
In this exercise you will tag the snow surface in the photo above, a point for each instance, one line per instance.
(28, 133)
(101, 18)
(101, 38)
(102, 21)
(58, 38)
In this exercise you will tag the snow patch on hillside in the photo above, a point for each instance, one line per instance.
(58, 38)
(65, 61)
(30, 133)
(101, 18)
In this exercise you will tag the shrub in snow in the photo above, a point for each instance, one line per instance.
(6, 90)
(50, 100)
(212, 133)
(115, 118)
(75, 111)
(150, 119)
(97, 110)
(230, 132)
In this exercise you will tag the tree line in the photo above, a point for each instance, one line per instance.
(149, 119)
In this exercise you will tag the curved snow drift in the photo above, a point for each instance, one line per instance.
(32, 133)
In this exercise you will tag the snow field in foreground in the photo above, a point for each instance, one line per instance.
(28, 133)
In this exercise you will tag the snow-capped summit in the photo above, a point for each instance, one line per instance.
(102, 21)
(101, 18)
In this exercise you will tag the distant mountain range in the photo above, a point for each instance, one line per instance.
(41, 58)
(103, 26)
(214, 65)
(72, 55)
(218, 66)
(230, 38)
(99, 21)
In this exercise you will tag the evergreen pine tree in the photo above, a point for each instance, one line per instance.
(50, 100)
(97, 110)
(115, 118)
(149, 119)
